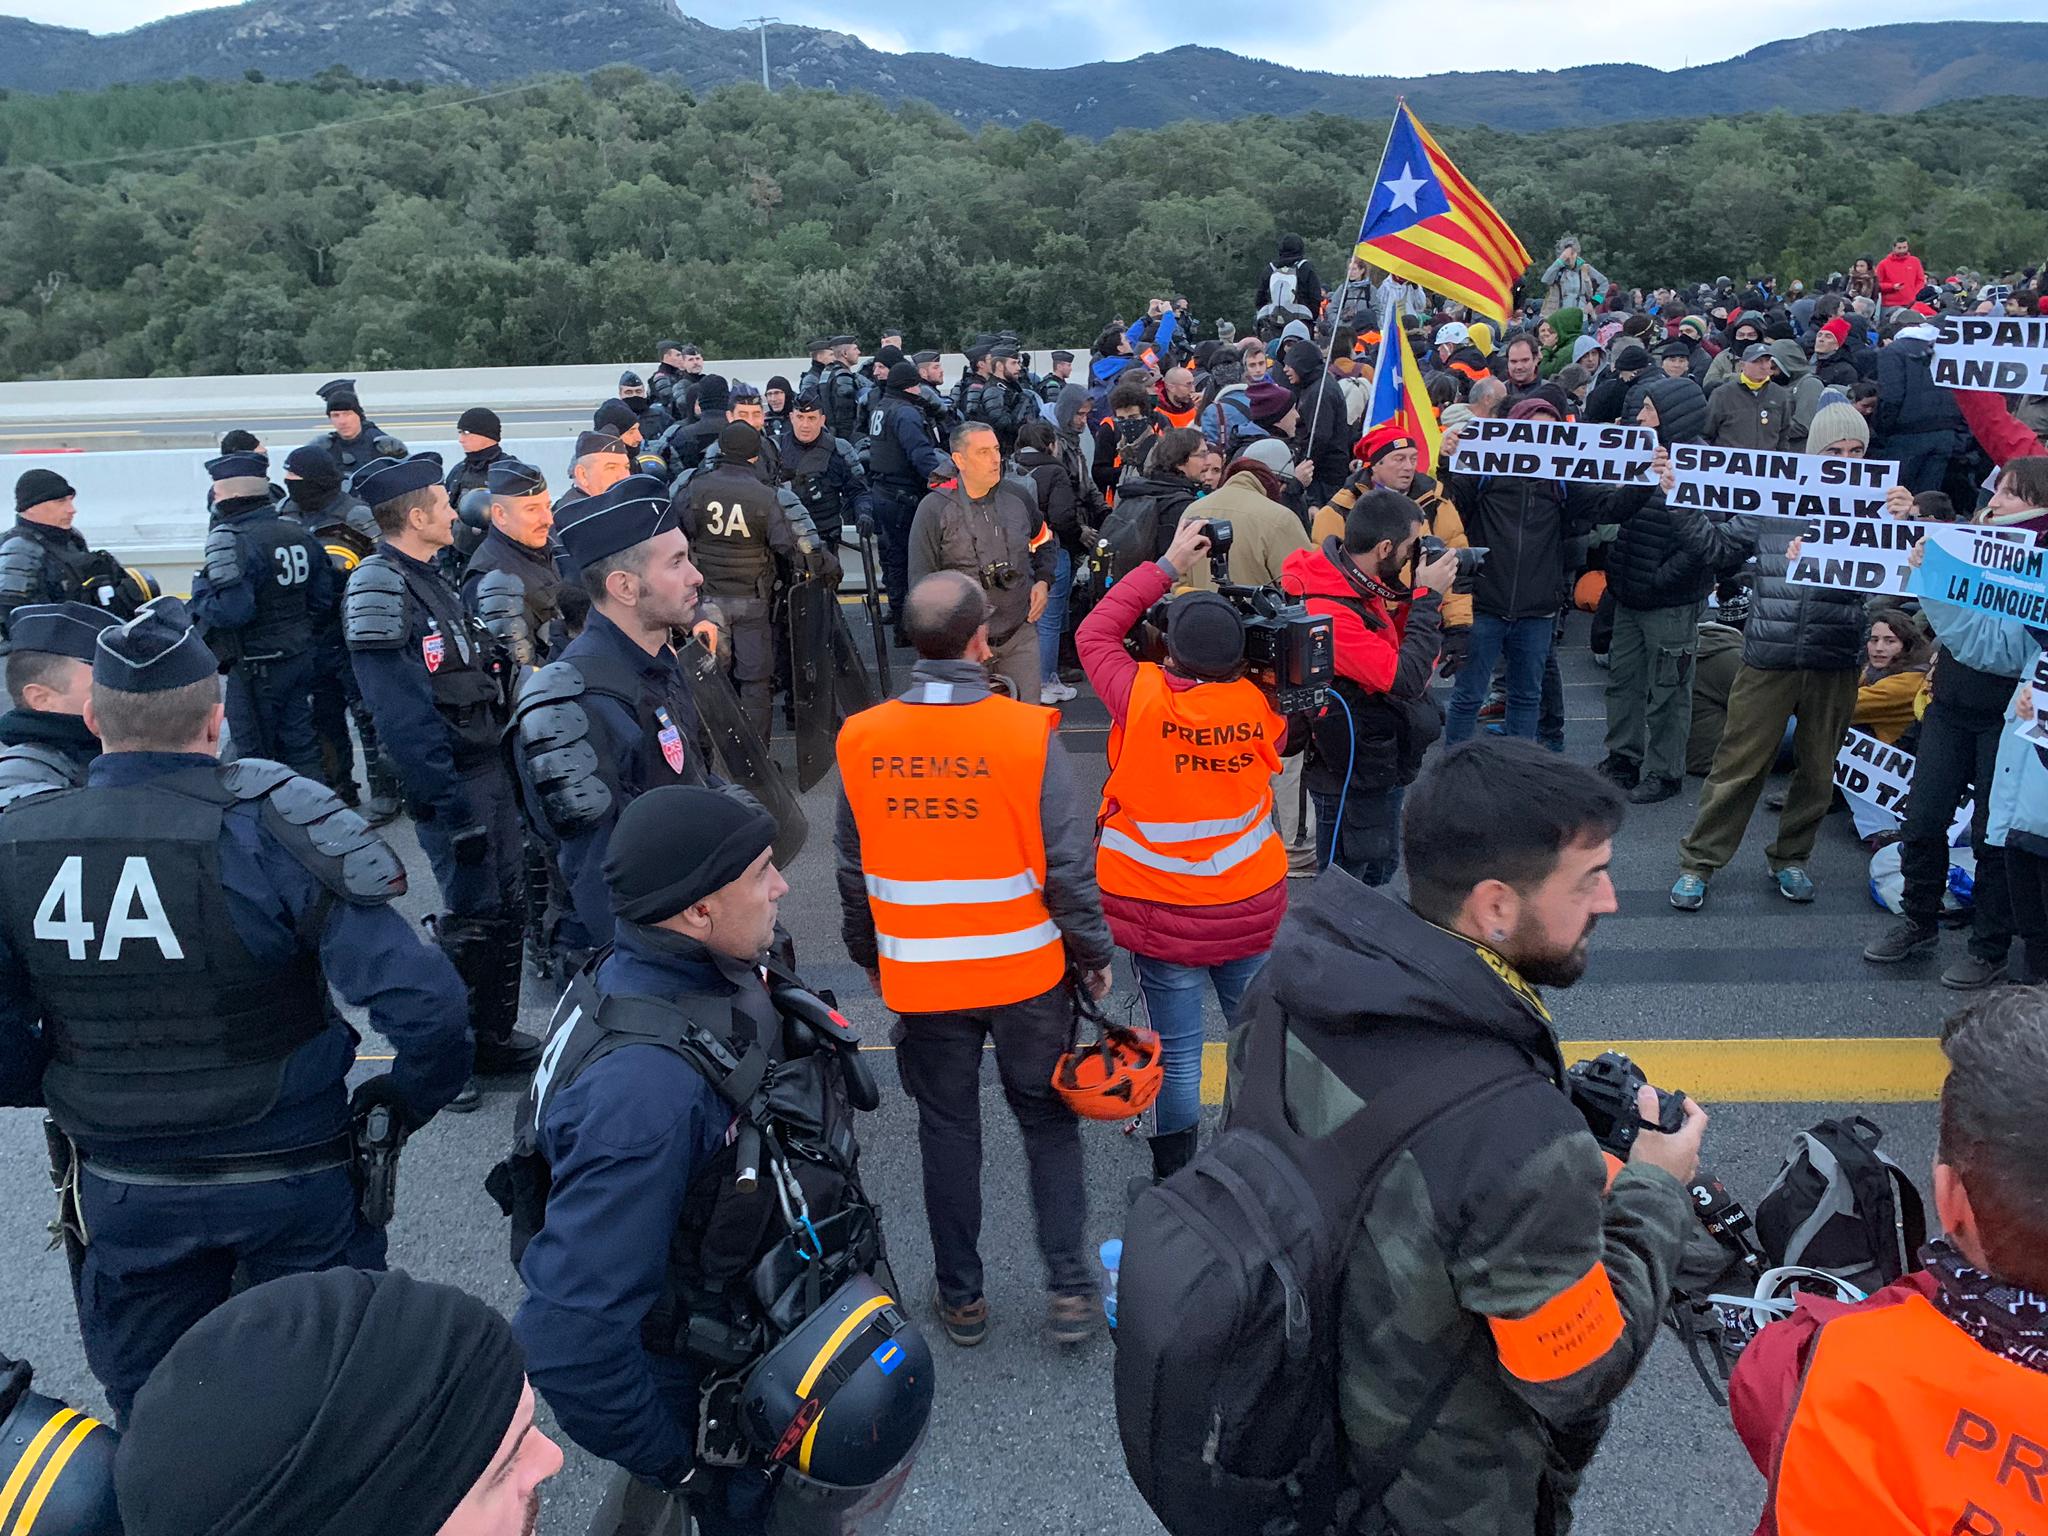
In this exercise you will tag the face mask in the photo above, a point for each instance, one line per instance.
(1129, 430)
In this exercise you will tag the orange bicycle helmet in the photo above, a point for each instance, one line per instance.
(1115, 1078)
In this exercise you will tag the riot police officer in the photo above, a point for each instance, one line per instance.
(519, 544)
(169, 933)
(1050, 385)
(613, 716)
(641, 1270)
(824, 471)
(264, 593)
(905, 459)
(44, 740)
(842, 390)
(347, 532)
(1004, 402)
(436, 683)
(352, 439)
(737, 526)
(601, 462)
(42, 560)
(655, 417)
(480, 435)
(685, 446)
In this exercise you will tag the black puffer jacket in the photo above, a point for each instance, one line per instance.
(1908, 400)
(1523, 525)
(1791, 628)
(1657, 560)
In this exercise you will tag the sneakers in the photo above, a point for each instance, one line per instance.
(1972, 973)
(967, 1323)
(1903, 940)
(1602, 660)
(1056, 692)
(1625, 771)
(468, 1099)
(1495, 707)
(1072, 1319)
(1656, 787)
(1688, 893)
(1793, 883)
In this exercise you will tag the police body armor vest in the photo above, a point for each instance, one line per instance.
(280, 552)
(344, 528)
(87, 574)
(157, 1019)
(841, 388)
(571, 777)
(464, 684)
(887, 462)
(731, 542)
(738, 1276)
(809, 471)
(540, 583)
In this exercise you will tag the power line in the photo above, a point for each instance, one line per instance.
(761, 24)
(284, 133)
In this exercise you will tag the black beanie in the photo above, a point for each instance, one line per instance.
(1204, 635)
(713, 393)
(481, 421)
(903, 377)
(777, 381)
(675, 845)
(314, 465)
(738, 440)
(37, 486)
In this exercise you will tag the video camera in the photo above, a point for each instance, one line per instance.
(1469, 560)
(1290, 653)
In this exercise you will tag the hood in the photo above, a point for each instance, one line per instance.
(1306, 361)
(1568, 323)
(1481, 334)
(1105, 369)
(1681, 408)
(1791, 359)
(1350, 956)
(1071, 398)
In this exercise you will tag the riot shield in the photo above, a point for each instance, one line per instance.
(741, 752)
(853, 690)
(871, 600)
(813, 609)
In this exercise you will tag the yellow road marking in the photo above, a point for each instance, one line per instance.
(1849, 1070)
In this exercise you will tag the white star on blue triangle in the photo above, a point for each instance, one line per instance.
(1406, 191)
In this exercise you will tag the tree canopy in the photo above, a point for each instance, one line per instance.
(377, 225)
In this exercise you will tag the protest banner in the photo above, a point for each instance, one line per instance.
(1883, 776)
(2034, 727)
(1602, 453)
(2007, 354)
(1864, 554)
(1975, 568)
(1802, 485)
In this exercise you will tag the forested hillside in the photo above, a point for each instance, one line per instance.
(579, 219)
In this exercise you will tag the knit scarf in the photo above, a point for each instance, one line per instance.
(1752, 385)
(2009, 1320)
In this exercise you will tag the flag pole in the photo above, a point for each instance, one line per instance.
(1330, 346)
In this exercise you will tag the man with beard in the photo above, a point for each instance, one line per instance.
(1504, 1277)
(338, 1401)
(352, 439)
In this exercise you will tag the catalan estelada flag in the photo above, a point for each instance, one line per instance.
(1399, 394)
(1427, 223)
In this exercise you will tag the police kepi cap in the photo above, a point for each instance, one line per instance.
(1061, 355)
(37, 486)
(1204, 635)
(238, 466)
(675, 845)
(515, 477)
(820, 344)
(600, 442)
(383, 480)
(631, 512)
(334, 387)
(809, 404)
(156, 650)
(59, 629)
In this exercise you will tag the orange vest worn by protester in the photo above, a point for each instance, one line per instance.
(1906, 1425)
(1187, 814)
(946, 797)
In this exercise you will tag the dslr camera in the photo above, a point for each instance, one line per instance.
(1289, 652)
(1469, 560)
(1000, 576)
(1604, 1091)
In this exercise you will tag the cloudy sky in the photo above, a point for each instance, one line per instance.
(1350, 36)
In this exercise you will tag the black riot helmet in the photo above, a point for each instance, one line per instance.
(57, 1462)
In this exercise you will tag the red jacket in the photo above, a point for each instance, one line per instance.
(1197, 936)
(1369, 657)
(1764, 1388)
(1900, 279)
(2001, 434)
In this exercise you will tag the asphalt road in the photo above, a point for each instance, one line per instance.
(1023, 1438)
(282, 432)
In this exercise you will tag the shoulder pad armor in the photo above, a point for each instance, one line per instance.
(362, 520)
(21, 567)
(846, 453)
(501, 607)
(341, 850)
(555, 745)
(375, 610)
(223, 558)
(27, 769)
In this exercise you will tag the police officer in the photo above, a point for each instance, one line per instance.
(436, 685)
(613, 717)
(1003, 401)
(352, 439)
(906, 457)
(169, 934)
(990, 529)
(824, 471)
(823, 356)
(620, 419)
(347, 532)
(973, 378)
(264, 593)
(518, 543)
(686, 445)
(44, 740)
(680, 368)
(655, 418)
(480, 435)
(42, 560)
(639, 1255)
(1051, 384)
(965, 901)
(600, 462)
(736, 528)
(842, 390)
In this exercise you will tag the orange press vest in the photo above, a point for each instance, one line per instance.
(1905, 1424)
(946, 797)
(1187, 812)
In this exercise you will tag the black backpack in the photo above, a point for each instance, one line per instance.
(1842, 1206)
(1132, 533)
(1228, 1302)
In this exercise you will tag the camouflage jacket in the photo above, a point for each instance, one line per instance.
(1494, 1258)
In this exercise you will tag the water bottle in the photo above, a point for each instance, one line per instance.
(1112, 1254)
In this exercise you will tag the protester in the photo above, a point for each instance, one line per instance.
(1895, 660)
(1900, 276)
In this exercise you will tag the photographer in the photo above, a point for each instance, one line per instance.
(989, 529)
(1192, 870)
(1369, 742)
(1499, 1291)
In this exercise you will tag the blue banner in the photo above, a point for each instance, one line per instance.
(1966, 568)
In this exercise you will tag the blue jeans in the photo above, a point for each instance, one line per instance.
(1173, 1005)
(1526, 644)
(1371, 847)
(1054, 619)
